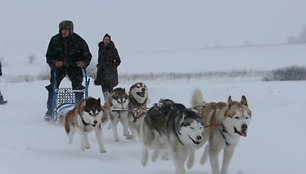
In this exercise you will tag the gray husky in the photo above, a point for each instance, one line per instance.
(170, 127)
(118, 105)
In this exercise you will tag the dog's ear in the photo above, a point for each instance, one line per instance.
(83, 103)
(229, 100)
(244, 100)
(123, 90)
(99, 100)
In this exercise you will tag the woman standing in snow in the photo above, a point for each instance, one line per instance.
(108, 61)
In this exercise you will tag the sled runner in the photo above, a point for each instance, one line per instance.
(3, 102)
(65, 98)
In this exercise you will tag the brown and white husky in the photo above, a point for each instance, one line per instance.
(224, 124)
(138, 99)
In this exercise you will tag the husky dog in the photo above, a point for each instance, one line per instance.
(138, 97)
(86, 116)
(118, 105)
(170, 126)
(224, 124)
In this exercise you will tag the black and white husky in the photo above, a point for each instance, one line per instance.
(87, 115)
(172, 127)
(118, 105)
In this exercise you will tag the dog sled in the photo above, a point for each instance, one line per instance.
(64, 98)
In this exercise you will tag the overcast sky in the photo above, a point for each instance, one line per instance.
(151, 25)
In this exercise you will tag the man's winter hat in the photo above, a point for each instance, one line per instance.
(66, 24)
(107, 35)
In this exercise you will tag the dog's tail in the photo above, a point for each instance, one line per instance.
(197, 101)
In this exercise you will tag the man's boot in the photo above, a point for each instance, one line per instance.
(79, 95)
(2, 101)
(50, 103)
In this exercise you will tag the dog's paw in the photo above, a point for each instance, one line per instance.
(190, 163)
(70, 141)
(203, 160)
(144, 162)
(145, 157)
(204, 157)
(129, 137)
(165, 156)
(155, 155)
(87, 146)
(84, 147)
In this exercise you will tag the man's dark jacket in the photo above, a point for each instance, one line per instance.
(68, 50)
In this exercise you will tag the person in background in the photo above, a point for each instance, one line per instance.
(108, 62)
(67, 54)
(2, 101)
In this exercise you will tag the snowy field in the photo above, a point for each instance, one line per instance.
(275, 142)
(157, 37)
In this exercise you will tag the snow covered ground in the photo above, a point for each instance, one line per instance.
(156, 37)
(275, 142)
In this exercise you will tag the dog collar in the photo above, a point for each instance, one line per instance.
(83, 121)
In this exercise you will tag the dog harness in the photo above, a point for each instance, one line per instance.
(83, 121)
(223, 131)
(137, 113)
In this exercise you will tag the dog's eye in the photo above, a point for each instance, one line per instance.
(236, 118)
(191, 127)
(246, 117)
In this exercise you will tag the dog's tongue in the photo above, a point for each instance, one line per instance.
(241, 133)
(141, 94)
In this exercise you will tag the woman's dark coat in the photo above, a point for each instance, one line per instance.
(108, 62)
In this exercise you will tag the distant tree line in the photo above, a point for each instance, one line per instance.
(291, 73)
(301, 38)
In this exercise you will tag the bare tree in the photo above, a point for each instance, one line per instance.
(31, 59)
(302, 36)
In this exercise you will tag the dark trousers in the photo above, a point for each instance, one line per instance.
(75, 75)
(106, 88)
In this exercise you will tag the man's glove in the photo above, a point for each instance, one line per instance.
(81, 64)
(58, 64)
